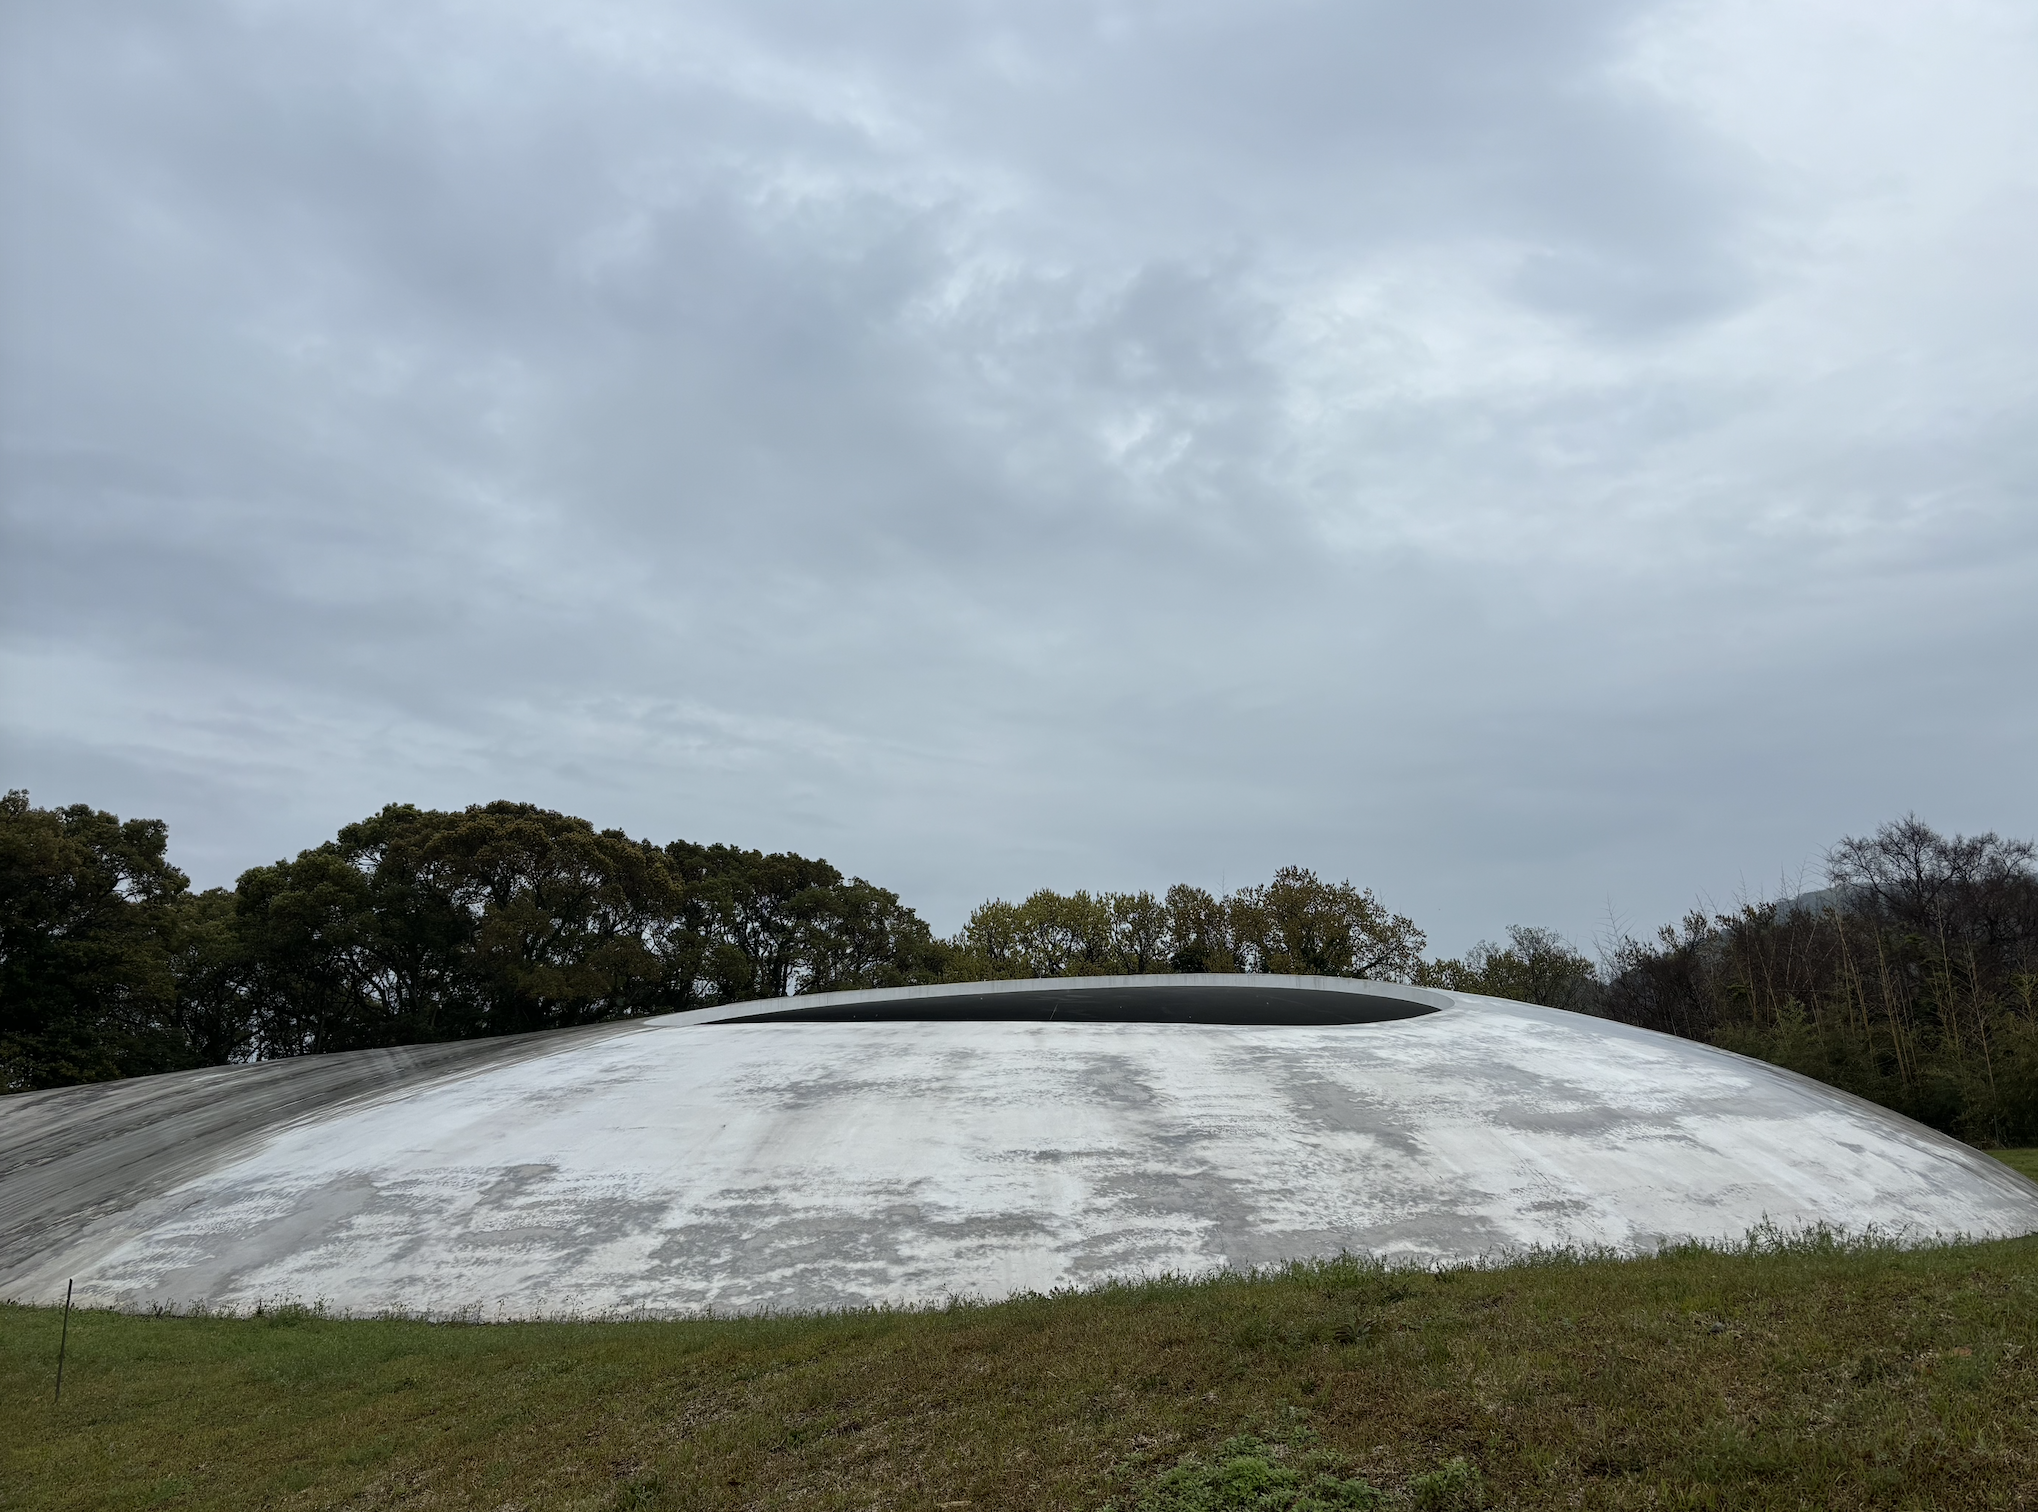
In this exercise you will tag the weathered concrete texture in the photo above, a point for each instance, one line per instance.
(77, 1153)
(681, 1164)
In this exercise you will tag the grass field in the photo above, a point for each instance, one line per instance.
(1794, 1376)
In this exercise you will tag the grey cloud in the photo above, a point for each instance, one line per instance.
(1071, 445)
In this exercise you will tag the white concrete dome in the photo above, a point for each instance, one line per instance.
(978, 1139)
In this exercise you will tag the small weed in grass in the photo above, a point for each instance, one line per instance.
(1245, 1475)
(639, 1494)
(1452, 1485)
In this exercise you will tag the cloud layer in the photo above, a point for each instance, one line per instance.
(1523, 457)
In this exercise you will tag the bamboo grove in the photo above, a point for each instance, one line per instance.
(1911, 980)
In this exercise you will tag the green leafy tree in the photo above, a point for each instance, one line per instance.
(570, 924)
(1535, 966)
(992, 944)
(87, 990)
(758, 914)
(1296, 924)
(1055, 934)
(1300, 925)
(778, 924)
(863, 936)
(211, 968)
(1201, 936)
(417, 925)
(308, 928)
(1140, 938)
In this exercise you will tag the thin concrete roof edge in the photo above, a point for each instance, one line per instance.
(822, 1002)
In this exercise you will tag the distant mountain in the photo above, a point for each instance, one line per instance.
(1820, 900)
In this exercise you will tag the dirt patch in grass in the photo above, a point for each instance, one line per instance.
(1813, 1375)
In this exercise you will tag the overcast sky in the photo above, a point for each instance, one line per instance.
(1528, 458)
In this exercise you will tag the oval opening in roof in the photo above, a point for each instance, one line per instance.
(1252, 1002)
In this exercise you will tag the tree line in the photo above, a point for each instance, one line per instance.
(415, 926)
(1296, 925)
(1910, 980)
(408, 927)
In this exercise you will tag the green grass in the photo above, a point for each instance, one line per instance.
(2024, 1162)
(1801, 1376)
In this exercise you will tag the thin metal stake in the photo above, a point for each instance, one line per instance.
(63, 1339)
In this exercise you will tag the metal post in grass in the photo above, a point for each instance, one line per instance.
(64, 1338)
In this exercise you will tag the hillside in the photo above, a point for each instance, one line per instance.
(1787, 1376)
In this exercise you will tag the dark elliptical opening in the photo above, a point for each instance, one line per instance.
(1251, 1005)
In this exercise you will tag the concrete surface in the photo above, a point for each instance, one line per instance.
(963, 1142)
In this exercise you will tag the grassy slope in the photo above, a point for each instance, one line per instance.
(1838, 1379)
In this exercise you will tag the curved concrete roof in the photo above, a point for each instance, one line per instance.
(907, 1146)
